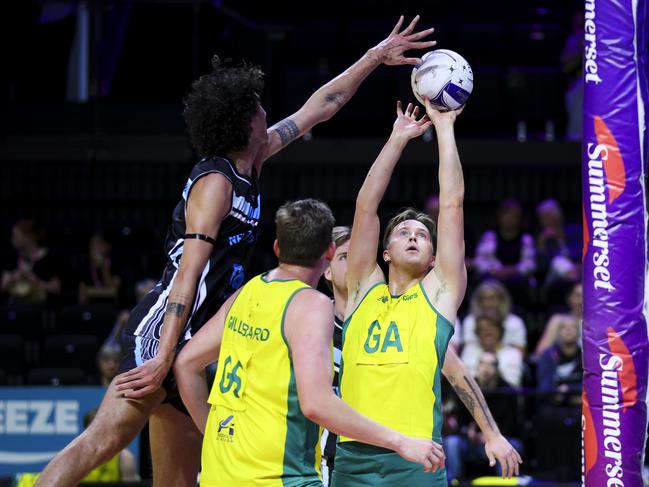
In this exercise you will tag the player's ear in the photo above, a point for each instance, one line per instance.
(386, 256)
(327, 274)
(432, 263)
(276, 248)
(329, 253)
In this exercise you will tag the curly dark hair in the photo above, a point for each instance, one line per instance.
(220, 106)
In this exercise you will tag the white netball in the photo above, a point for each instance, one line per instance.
(444, 77)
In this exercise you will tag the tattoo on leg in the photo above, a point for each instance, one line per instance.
(176, 309)
(287, 131)
(481, 402)
(338, 98)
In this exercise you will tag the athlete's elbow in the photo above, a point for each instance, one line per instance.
(452, 200)
(365, 205)
(312, 409)
(184, 365)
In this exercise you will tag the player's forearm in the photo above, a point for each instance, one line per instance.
(193, 392)
(338, 417)
(331, 97)
(468, 390)
(181, 299)
(451, 179)
(379, 175)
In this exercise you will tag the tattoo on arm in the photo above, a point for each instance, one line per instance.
(176, 309)
(338, 98)
(469, 399)
(287, 131)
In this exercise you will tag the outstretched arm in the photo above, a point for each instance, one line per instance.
(208, 204)
(362, 270)
(331, 97)
(497, 447)
(309, 330)
(446, 283)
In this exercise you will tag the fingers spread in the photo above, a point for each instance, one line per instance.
(412, 60)
(419, 35)
(412, 25)
(421, 45)
(409, 109)
(398, 26)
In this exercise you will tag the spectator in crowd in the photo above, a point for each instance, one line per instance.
(559, 368)
(97, 281)
(575, 301)
(558, 250)
(490, 332)
(34, 277)
(108, 363)
(507, 253)
(142, 288)
(465, 446)
(492, 297)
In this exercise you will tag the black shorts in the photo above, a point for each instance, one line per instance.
(136, 350)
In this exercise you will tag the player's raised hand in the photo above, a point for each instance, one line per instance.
(438, 117)
(407, 124)
(422, 451)
(390, 50)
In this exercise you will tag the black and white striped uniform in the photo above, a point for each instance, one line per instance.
(223, 273)
(329, 439)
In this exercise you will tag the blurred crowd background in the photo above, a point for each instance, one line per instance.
(93, 158)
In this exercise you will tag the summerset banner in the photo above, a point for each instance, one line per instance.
(616, 350)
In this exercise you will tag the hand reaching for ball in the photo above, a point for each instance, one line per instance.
(407, 125)
(438, 118)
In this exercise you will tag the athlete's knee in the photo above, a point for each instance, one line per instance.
(104, 443)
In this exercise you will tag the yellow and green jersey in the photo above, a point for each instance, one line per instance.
(393, 352)
(256, 433)
(108, 472)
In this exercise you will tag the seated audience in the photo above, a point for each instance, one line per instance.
(490, 331)
(97, 281)
(35, 277)
(507, 253)
(575, 301)
(558, 251)
(492, 297)
(559, 368)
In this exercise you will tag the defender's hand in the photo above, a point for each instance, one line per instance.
(143, 380)
(390, 50)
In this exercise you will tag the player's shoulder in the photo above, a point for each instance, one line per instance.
(213, 184)
(313, 299)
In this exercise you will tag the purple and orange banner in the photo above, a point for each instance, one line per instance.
(615, 341)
